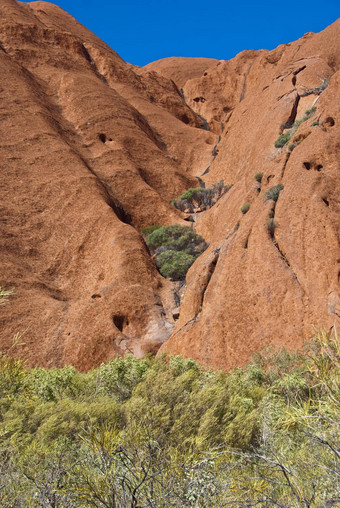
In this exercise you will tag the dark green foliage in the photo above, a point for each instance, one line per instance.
(258, 177)
(150, 229)
(176, 248)
(245, 207)
(282, 140)
(274, 192)
(193, 193)
(315, 124)
(175, 237)
(174, 264)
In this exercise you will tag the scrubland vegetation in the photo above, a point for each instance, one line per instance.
(167, 432)
(175, 248)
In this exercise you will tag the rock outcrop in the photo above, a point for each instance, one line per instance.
(94, 149)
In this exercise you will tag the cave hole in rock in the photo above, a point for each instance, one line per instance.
(185, 119)
(319, 167)
(294, 80)
(329, 121)
(102, 137)
(120, 322)
(307, 165)
(325, 201)
(96, 295)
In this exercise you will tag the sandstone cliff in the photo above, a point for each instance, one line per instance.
(93, 149)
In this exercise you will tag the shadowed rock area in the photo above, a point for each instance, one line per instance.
(93, 149)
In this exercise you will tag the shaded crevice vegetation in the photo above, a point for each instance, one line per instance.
(283, 139)
(175, 248)
(198, 199)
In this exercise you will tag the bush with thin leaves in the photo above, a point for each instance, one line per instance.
(274, 192)
(258, 177)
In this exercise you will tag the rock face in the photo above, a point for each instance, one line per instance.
(93, 149)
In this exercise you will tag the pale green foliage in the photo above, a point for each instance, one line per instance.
(167, 433)
(4, 294)
(200, 197)
(283, 139)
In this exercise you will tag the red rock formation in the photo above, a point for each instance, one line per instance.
(93, 149)
(86, 160)
(261, 290)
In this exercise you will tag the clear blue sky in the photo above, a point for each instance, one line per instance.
(142, 31)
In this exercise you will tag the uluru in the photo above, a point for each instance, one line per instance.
(95, 150)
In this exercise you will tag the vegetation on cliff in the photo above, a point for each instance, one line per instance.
(200, 198)
(175, 248)
(167, 432)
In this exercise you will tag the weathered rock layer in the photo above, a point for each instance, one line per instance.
(93, 149)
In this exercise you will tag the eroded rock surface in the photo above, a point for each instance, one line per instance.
(93, 149)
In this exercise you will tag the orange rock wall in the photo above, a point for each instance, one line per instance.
(93, 149)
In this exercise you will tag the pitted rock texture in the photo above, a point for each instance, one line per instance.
(93, 149)
(267, 290)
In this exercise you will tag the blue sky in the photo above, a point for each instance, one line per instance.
(144, 31)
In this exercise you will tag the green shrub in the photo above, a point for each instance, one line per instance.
(150, 229)
(282, 140)
(274, 192)
(315, 124)
(258, 177)
(291, 147)
(173, 237)
(174, 264)
(176, 248)
(192, 193)
(245, 207)
(309, 113)
(200, 197)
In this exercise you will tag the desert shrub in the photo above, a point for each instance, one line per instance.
(150, 229)
(282, 140)
(175, 433)
(245, 207)
(193, 193)
(309, 113)
(315, 124)
(176, 248)
(274, 192)
(173, 237)
(174, 264)
(200, 197)
(258, 177)
(291, 147)
(271, 226)
(120, 376)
